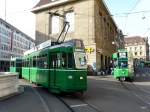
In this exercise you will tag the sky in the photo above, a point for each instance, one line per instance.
(131, 16)
(18, 14)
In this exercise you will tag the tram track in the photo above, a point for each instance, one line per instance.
(77, 104)
(44, 95)
(47, 100)
(45, 106)
(67, 105)
(142, 91)
(141, 95)
(144, 94)
(72, 102)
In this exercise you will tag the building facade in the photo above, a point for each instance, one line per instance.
(13, 43)
(119, 40)
(89, 20)
(138, 46)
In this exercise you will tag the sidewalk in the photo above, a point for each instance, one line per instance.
(102, 77)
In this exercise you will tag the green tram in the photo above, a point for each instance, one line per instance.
(123, 65)
(59, 68)
(16, 65)
(147, 64)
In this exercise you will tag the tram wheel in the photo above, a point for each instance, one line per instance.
(121, 79)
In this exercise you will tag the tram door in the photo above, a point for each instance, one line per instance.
(54, 69)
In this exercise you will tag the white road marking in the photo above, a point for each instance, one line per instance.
(148, 75)
(80, 105)
(45, 106)
(139, 97)
(143, 107)
(144, 75)
(145, 91)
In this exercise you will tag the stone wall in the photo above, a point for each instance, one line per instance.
(8, 83)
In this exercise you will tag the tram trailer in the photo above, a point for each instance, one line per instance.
(16, 66)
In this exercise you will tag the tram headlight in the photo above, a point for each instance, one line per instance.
(70, 77)
(81, 78)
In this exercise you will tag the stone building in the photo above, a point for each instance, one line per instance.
(89, 20)
(138, 46)
(13, 43)
(119, 40)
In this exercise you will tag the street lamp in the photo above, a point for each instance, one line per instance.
(113, 43)
(5, 9)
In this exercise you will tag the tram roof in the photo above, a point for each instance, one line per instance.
(51, 48)
(64, 47)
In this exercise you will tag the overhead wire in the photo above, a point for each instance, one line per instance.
(148, 29)
(138, 1)
(136, 12)
(130, 11)
(20, 11)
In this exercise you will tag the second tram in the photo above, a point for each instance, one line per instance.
(123, 65)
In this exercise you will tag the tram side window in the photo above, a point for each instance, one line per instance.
(58, 62)
(70, 60)
(24, 63)
(67, 60)
(45, 64)
(12, 63)
(42, 62)
(64, 60)
(39, 62)
(27, 63)
(34, 62)
(55, 61)
(19, 64)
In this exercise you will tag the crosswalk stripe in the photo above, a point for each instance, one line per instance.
(78, 105)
